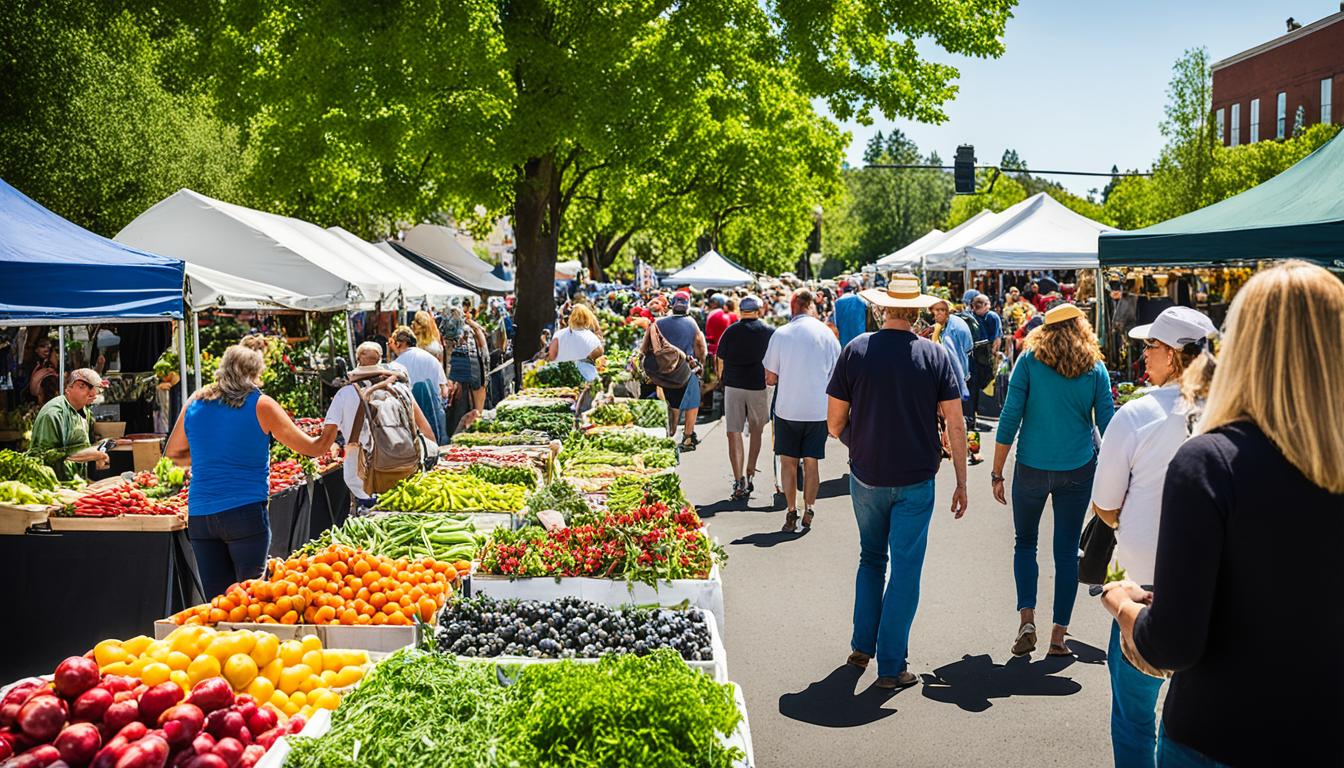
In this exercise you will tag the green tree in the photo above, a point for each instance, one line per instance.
(1007, 191)
(1186, 160)
(91, 125)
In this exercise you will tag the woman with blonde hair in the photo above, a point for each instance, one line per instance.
(225, 433)
(1253, 523)
(580, 343)
(427, 334)
(1058, 391)
(1140, 442)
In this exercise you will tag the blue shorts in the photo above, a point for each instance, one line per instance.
(800, 439)
(692, 397)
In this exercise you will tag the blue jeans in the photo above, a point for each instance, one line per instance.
(1172, 754)
(1133, 709)
(893, 525)
(1071, 491)
(230, 546)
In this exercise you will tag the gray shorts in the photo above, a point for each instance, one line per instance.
(746, 406)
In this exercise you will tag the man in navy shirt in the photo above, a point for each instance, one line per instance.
(885, 395)
(984, 355)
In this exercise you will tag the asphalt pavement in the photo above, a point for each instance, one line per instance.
(789, 601)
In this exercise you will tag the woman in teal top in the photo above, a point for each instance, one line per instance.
(1059, 389)
(225, 433)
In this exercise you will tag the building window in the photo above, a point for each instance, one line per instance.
(1255, 120)
(1283, 114)
(1236, 125)
(1327, 100)
(1218, 121)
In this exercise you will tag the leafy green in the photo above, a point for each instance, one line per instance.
(27, 469)
(559, 496)
(559, 375)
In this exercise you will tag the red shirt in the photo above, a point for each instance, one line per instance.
(717, 322)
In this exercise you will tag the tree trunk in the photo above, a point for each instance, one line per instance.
(536, 243)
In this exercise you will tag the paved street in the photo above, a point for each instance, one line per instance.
(789, 599)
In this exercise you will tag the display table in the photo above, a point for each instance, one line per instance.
(284, 510)
(72, 589)
(331, 502)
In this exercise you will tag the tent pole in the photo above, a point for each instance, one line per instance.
(196, 344)
(61, 352)
(182, 359)
(350, 336)
(1100, 304)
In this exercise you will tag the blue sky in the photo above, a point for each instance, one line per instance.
(1083, 82)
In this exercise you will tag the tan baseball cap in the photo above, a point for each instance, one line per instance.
(88, 376)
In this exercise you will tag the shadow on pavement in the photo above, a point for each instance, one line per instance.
(1086, 654)
(731, 505)
(836, 486)
(833, 703)
(770, 539)
(972, 682)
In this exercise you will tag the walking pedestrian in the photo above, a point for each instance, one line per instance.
(885, 396)
(1252, 522)
(746, 401)
(1140, 443)
(1058, 391)
(683, 333)
(579, 343)
(225, 433)
(798, 361)
(988, 332)
(424, 374)
(851, 315)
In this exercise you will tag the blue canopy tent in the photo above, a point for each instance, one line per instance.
(58, 272)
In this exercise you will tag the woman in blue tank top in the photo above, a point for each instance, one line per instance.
(224, 434)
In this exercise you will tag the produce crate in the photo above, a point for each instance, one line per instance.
(118, 523)
(698, 593)
(16, 519)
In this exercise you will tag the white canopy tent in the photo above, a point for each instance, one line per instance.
(911, 256)
(1045, 235)
(950, 253)
(439, 245)
(211, 289)
(416, 283)
(710, 271)
(567, 270)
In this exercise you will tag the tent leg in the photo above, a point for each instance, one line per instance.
(350, 337)
(1100, 307)
(61, 351)
(965, 280)
(196, 345)
(182, 358)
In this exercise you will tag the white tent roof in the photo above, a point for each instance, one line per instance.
(567, 268)
(909, 257)
(239, 241)
(1045, 235)
(950, 253)
(416, 283)
(438, 244)
(710, 271)
(209, 289)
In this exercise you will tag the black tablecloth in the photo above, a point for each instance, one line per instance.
(70, 590)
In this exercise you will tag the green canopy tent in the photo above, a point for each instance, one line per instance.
(1298, 214)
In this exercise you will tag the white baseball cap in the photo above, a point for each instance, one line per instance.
(1176, 327)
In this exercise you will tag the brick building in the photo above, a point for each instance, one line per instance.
(1257, 93)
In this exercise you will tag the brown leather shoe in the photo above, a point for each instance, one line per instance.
(858, 659)
(791, 522)
(903, 680)
(1026, 640)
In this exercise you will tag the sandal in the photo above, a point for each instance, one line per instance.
(687, 445)
(807, 519)
(858, 659)
(751, 486)
(790, 522)
(903, 680)
(1059, 649)
(1026, 640)
(739, 491)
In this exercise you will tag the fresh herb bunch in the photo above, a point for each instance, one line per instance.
(567, 628)
(28, 470)
(414, 708)
(559, 496)
(630, 491)
(625, 710)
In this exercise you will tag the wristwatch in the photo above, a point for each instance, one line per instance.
(995, 478)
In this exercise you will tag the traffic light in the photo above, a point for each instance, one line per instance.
(963, 170)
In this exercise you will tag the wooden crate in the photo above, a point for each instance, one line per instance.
(120, 523)
(15, 520)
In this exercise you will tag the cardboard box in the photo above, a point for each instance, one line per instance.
(146, 454)
(109, 430)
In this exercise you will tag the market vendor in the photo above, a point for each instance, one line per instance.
(62, 428)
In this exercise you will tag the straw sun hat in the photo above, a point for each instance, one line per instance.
(902, 292)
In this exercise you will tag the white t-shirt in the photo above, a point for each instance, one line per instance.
(1140, 442)
(802, 354)
(574, 347)
(421, 366)
(342, 412)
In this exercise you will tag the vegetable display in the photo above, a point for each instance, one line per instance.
(559, 496)
(460, 454)
(445, 491)
(627, 492)
(526, 437)
(18, 492)
(124, 499)
(294, 676)
(567, 628)
(647, 544)
(643, 413)
(618, 440)
(85, 718)
(558, 375)
(524, 476)
(340, 585)
(442, 537)
(570, 393)
(423, 708)
(27, 470)
(556, 424)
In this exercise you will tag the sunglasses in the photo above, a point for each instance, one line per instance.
(1152, 344)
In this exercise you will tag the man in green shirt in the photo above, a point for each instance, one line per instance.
(63, 427)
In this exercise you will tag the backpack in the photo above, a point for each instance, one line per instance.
(981, 352)
(394, 451)
(664, 363)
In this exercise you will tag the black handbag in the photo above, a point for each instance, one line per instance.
(1097, 545)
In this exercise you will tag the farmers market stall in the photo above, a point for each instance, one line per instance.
(710, 271)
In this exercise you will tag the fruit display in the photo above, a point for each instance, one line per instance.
(340, 585)
(460, 454)
(647, 544)
(444, 491)
(642, 413)
(304, 674)
(423, 708)
(86, 718)
(288, 473)
(28, 470)
(310, 426)
(628, 492)
(448, 538)
(525, 437)
(567, 628)
(19, 492)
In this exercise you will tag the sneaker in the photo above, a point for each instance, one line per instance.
(903, 680)
(739, 490)
(751, 487)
